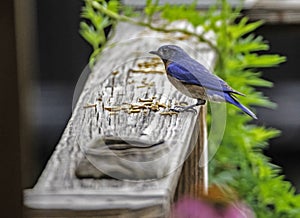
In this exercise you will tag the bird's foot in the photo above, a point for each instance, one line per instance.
(180, 109)
(201, 102)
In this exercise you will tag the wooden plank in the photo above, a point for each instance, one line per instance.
(141, 180)
(273, 11)
(278, 5)
(200, 4)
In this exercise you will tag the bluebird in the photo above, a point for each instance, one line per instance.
(193, 80)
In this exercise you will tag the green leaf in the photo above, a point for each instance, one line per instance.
(90, 35)
(255, 61)
(150, 8)
(250, 44)
(183, 12)
(113, 6)
(243, 28)
(129, 11)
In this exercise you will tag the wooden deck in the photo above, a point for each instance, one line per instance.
(122, 152)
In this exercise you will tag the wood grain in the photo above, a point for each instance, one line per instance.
(130, 181)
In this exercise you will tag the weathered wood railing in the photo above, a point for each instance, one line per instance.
(122, 151)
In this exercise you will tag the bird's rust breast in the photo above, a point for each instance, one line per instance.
(167, 63)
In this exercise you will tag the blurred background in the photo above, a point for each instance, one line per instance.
(61, 56)
(53, 55)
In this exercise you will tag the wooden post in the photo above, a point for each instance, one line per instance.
(203, 160)
(193, 181)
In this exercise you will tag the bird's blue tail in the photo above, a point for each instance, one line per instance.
(233, 101)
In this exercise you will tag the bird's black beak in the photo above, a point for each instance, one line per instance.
(154, 52)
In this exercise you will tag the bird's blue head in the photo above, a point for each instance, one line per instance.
(170, 53)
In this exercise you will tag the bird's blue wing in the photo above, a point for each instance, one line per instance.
(182, 74)
(192, 72)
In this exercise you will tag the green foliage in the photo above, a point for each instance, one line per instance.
(239, 163)
(182, 12)
(250, 44)
(93, 26)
